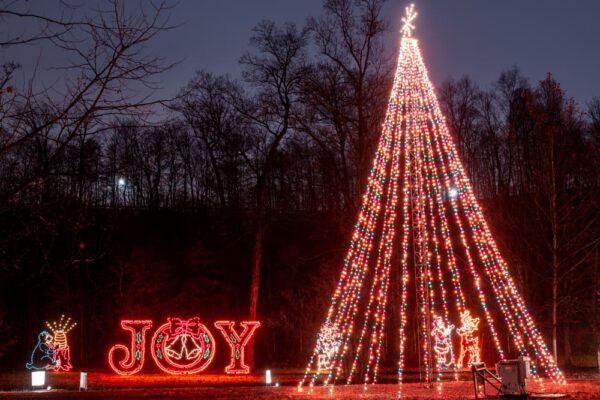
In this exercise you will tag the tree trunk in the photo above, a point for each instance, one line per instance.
(567, 346)
(598, 355)
(259, 228)
(215, 166)
(554, 223)
(554, 305)
(255, 281)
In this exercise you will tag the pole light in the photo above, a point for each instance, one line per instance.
(268, 379)
(38, 378)
(83, 382)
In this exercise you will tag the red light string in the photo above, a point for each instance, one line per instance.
(135, 354)
(237, 343)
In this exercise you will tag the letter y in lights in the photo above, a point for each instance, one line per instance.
(135, 355)
(237, 343)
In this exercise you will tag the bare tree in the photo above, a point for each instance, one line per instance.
(594, 128)
(275, 74)
(205, 105)
(350, 86)
(108, 65)
(460, 101)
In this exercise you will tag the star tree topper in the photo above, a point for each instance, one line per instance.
(407, 21)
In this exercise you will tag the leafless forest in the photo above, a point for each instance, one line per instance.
(237, 196)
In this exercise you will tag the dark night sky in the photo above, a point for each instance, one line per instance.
(474, 37)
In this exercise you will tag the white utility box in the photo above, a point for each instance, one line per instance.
(514, 375)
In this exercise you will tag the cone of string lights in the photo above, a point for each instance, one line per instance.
(421, 229)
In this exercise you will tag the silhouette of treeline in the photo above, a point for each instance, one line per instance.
(271, 168)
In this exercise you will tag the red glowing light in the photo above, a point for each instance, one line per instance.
(183, 346)
(237, 343)
(135, 355)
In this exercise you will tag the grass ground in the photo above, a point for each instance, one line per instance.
(103, 385)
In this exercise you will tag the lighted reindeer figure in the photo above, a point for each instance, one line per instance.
(442, 345)
(61, 346)
(469, 344)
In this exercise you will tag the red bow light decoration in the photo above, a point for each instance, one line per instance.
(192, 327)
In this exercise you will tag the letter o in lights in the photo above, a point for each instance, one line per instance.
(183, 346)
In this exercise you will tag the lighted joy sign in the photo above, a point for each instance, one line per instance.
(181, 346)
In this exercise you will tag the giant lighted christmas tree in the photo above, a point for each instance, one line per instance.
(420, 219)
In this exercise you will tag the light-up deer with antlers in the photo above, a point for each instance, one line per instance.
(469, 343)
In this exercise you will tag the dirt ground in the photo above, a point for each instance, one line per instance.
(103, 385)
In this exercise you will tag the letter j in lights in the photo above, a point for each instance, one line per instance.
(135, 354)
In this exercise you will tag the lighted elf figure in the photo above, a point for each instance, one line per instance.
(60, 330)
(328, 343)
(469, 344)
(442, 344)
